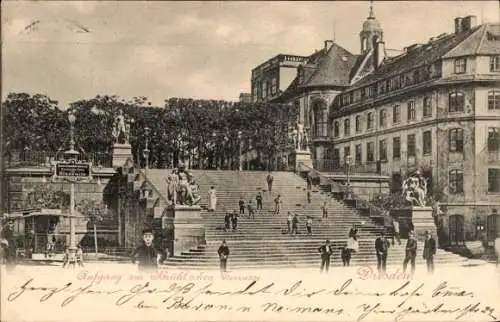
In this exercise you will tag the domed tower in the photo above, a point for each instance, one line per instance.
(371, 33)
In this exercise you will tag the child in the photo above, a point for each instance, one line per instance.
(251, 213)
(146, 254)
(242, 205)
(79, 256)
(309, 226)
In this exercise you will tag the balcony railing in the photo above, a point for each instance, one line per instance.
(331, 165)
(44, 158)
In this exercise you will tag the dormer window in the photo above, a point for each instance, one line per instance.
(460, 65)
(494, 63)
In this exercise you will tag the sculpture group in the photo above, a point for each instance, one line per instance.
(181, 187)
(415, 189)
(299, 137)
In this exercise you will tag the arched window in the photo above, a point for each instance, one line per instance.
(336, 129)
(456, 181)
(456, 102)
(494, 99)
(456, 140)
(358, 123)
(347, 127)
(320, 118)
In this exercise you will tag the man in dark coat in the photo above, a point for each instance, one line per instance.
(146, 255)
(9, 245)
(411, 253)
(270, 180)
(429, 251)
(223, 255)
(295, 224)
(326, 252)
(227, 221)
(234, 220)
(381, 247)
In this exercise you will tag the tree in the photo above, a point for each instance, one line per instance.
(95, 211)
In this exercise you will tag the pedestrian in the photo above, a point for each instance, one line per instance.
(352, 240)
(289, 220)
(212, 199)
(309, 226)
(146, 255)
(241, 203)
(326, 252)
(277, 205)
(258, 199)
(234, 220)
(295, 224)
(79, 256)
(429, 251)
(410, 253)
(325, 209)
(395, 230)
(223, 255)
(251, 212)
(381, 247)
(309, 181)
(270, 180)
(308, 196)
(346, 256)
(227, 221)
(9, 244)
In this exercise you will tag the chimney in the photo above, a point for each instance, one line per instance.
(468, 23)
(328, 44)
(458, 25)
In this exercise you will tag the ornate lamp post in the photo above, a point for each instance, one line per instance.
(146, 151)
(72, 155)
(348, 161)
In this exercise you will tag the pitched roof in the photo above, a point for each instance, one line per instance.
(333, 67)
(485, 41)
(418, 56)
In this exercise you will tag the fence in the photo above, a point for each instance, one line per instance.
(45, 158)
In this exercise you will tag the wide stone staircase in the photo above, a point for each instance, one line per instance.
(263, 241)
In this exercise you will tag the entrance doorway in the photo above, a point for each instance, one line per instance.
(491, 228)
(456, 230)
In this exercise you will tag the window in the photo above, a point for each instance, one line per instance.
(320, 123)
(494, 63)
(456, 140)
(411, 111)
(456, 102)
(396, 148)
(396, 114)
(427, 138)
(358, 153)
(427, 107)
(383, 117)
(411, 145)
(274, 87)
(347, 151)
(382, 150)
(494, 99)
(336, 129)
(347, 127)
(264, 89)
(460, 65)
(358, 123)
(336, 158)
(456, 181)
(493, 139)
(493, 180)
(370, 152)
(369, 121)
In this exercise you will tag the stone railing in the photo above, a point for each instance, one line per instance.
(44, 158)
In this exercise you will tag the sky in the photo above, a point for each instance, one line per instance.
(77, 50)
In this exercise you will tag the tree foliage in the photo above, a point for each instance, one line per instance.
(207, 133)
(45, 196)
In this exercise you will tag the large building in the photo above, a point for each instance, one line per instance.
(435, 107)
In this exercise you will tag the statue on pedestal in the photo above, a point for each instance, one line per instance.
(305, 140)
(121, 129)
(181, 188)
(415, 189)
(300, 135)
(293, 136)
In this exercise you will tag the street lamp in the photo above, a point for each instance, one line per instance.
(348, 161)
(72, 155)
(146, 151)
(240, 143)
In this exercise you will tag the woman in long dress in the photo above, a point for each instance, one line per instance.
(212, 199)
(352, 242)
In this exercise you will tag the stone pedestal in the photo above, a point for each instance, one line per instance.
(301, 157)
(121, 153)
(422, 220)
(186, 228)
